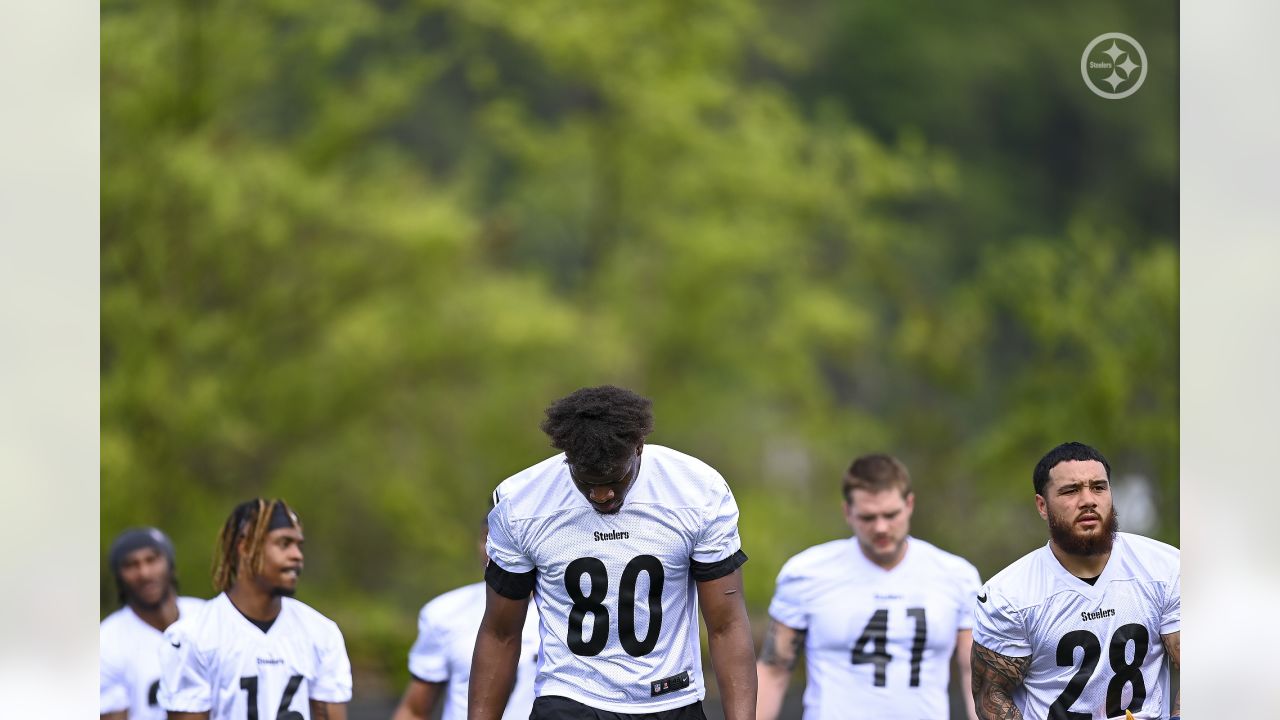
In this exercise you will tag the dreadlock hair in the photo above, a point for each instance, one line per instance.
(597, 427)
(251, 521)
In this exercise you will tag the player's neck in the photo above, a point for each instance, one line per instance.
(1082, 566)
(888, 563)
(160, 616)
(253, 602)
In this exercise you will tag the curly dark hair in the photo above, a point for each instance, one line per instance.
(597, 427)
(1064, 452)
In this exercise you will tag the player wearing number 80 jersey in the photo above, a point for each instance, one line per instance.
(1088, 626)
(613, 537)
(253, 652)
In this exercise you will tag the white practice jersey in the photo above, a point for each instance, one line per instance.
(447, 628)
(219, 662)
(129, 662)
(616, 593)
(1095, 649)
(878, 643)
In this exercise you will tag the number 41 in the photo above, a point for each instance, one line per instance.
(876, 634)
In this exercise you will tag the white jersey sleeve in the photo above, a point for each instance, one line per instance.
(332, 682)
(502, 546)
(184, 673)
(998, 626)
(1171, 616)
(113, 678)
(790, 604)
(429, 656)
(967, 583)
(719, 539)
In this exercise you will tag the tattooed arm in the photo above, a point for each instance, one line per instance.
(994, 678)
(1173, 646)
(778, 658)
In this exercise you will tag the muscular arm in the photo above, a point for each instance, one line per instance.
(994, 678)
(1173, 646)
(778, 658)
(729, 637)
(188, 716)
(328, 710)
(117, 715)
(964, 670)
(493, 665)
(419, 700)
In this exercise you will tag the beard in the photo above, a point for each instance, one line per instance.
(133, 600)
(1065, 536)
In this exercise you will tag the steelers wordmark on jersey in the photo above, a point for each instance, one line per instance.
(1095, 650)
(219, 662)
(878, 643)
(447, 628)
(616, 593)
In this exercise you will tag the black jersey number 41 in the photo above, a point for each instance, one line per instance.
(872, 645)
(592, 603)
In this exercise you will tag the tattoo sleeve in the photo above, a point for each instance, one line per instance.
(1173, 647)
(781, 646)
(994, 678)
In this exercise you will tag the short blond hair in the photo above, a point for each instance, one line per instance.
(875, 473)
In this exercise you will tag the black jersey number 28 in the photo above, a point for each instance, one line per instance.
(592, 603)
(1126, 672)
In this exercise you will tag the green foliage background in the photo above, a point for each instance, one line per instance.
(351, 249)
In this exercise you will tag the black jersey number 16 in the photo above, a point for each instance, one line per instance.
(592, 603)
(250, 686)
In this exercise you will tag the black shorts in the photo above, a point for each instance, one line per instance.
(554, 707)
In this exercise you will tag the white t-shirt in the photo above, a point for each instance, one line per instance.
(220, 662)
(878, 643)
(1095, 649)
(129, 662)
(447, 629)
(615, 592)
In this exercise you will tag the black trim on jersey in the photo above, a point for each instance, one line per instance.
(558, 707)
(513, 586)
(1092, 580)
(429, 682)
(703, 572)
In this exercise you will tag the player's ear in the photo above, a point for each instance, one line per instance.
(910, 500)
(1042, 507)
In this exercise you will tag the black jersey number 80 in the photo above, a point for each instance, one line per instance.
(592, 604)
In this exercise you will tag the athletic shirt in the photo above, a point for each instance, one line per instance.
(1095, 649)
(878, 643)
(129, 662)
(447, 628)
(616, 593)
(219, 662)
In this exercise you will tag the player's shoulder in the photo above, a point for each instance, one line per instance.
(454, 602)
(675, 479)
(946, 562)
(1148, 557)
(189, 605)
(815, 560)
(538, 489)
(1024, 582)
(114, 628)
(308, 616)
